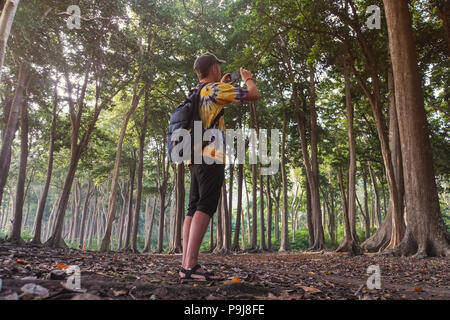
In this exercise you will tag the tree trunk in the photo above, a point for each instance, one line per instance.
(76, 210)
(262, 236)
(319, 240)
(151, 217)
(398, 224)
(43, 198)
(277, 214)
(377, 195)
(129, 217)
(51, 219)
(426, 233)
(20, 191)
(10, 129)
(239, 213)
(230, 204)
(366, 205)
(350, 241)
(219, 228)
(84, 215)
(226, 221)
(443, 10)
(142, 136)
(91, 223)
(181, 194)
(309, 214)
(162, 196)
(383, 238)
(124, 195)
(247, 212)
(269, 215)
(366, 222)
(6, 21)
(284, 245)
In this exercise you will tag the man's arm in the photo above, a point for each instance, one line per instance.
(251, 85)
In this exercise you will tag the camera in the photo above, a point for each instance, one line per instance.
(235, 76)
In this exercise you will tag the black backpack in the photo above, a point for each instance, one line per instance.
(184, 117)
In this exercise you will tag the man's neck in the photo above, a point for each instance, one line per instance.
(207, 80)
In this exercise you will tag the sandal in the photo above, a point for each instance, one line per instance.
(208, 276)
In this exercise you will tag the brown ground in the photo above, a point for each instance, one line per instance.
(299, 275)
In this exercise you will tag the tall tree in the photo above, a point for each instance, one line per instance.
(43, 199)
(20, 193)
(350, 241)
(284, 245)
(426, 233)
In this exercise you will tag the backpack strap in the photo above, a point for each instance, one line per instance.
(219, 115)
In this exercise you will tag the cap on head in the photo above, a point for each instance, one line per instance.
(204, 62)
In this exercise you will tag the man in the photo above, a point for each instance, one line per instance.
(207, 179)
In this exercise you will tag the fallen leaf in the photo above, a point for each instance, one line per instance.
(62, 266)
(119, 293)
(418, 289)
(22, 261)
(308, 289)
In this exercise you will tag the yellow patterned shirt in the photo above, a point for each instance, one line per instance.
(213, 98)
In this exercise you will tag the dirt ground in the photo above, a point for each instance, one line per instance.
(256, 276)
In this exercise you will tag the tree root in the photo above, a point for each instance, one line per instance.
(317, 247)
(176, 250)
(350, 246)
(59, 243)
(221, 251)
(410, 247)
(35, 243)
(16, 241)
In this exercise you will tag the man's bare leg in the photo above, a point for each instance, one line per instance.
(186, 232)
(199, 225)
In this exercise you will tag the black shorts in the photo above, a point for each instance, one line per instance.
(206, 185)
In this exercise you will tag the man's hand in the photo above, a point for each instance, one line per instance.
(251, 86)
(225, 77)
(245, 74)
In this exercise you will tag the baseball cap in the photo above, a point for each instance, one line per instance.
(203, 62)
